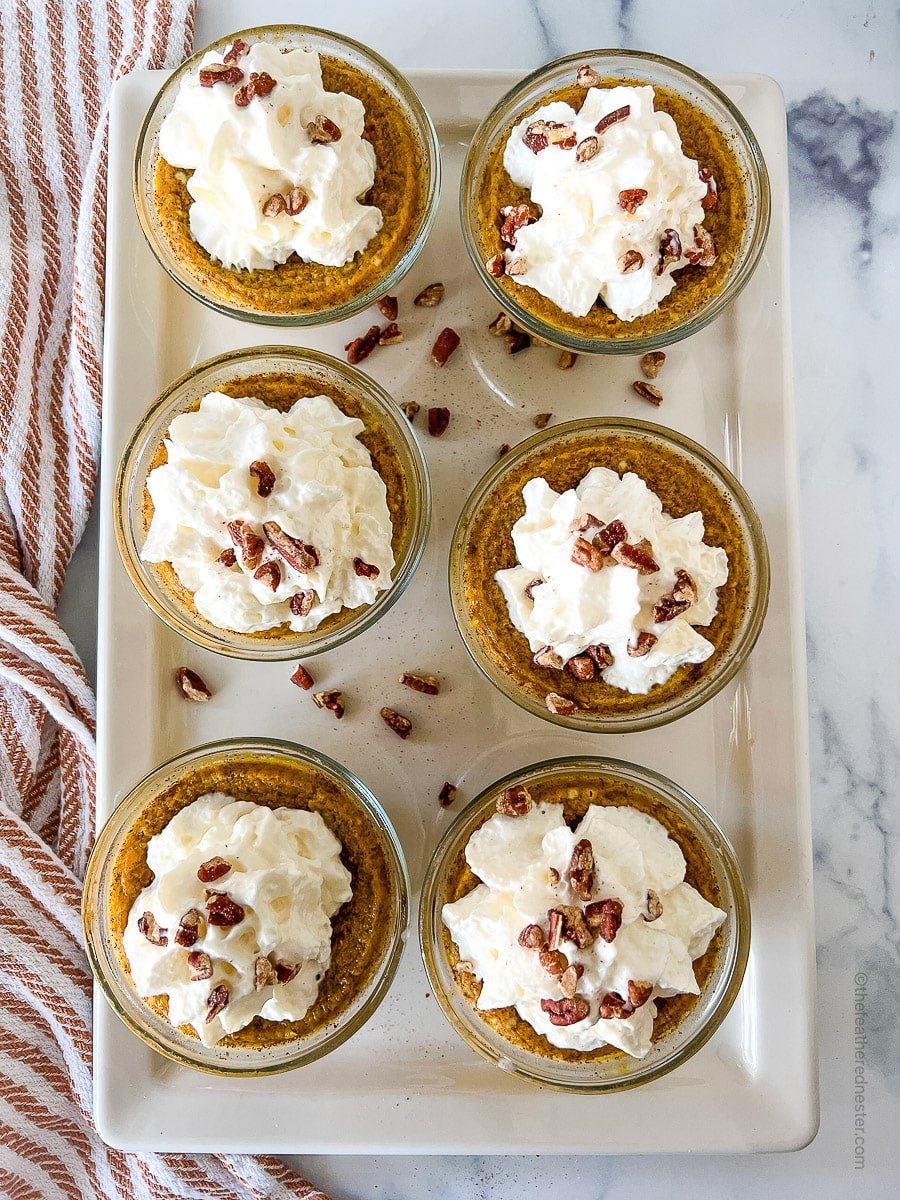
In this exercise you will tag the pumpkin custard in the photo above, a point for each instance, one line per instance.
(634, 577)
(250, 902)
(611, 209)
(287, 182)
(277, 506)
(581, 918)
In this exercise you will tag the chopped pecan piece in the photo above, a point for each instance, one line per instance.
(587, 525)
(299, 555)
(532, 937)
(638, 556)
(561, 706)
(388, 306)
(631, 199)
(430, 296)
(535, 137)
(542, 420)
(630, 261)
(518, 266)
(529, 589)
(515, 217)
(390, 335)
(685, 589)
(517, 340)
(668, 608)
(153, 932)
(363, 346)
(587, 148)
(429, 684)
(296, 200)
(605, 916)
(401, 725)
(654, 906)
(445, 343)
(215, 1002)
(554, 916)
(503, 449)
(613, 1006)
(200, 965)
(501, 325)
(259, 84)
(190, 928)
(612, 118)
(249, 543)
(285, 972)
(411, 409)
(191, 685)
(213, 869)
(220, 73)
(263, 974)
(574, 925)
(547, 657)
(464, 967)
(322, 131)
(556, 133)
(669, 249)
(222, 910)
(447, 794)
(644, 644)
(365, 570)
(610, 535)
(553, 876)
(264, 476)
(514, 801)
(332, 701)
(638, 992)
(274, 205)
(586, 554)
(648, 392)
(581, 667)
(712, 190)
(586, 76)
(302, 678)
(554, 962)
(268, 573)
(570, 978)
(704, 253)
(602, 656)
(438, 420)
(567, 360)
(566, 1011)
(301, 602)
(238, 49)
(227, 558)
(581, 869)
(652, 363)
(496, 266)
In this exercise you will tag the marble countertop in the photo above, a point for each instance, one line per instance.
(837, 62)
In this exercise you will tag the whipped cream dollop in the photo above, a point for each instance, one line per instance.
(237, 921)
(662, 924)
(586, 186)
(325, 497)
(632, 613)
(242, 155)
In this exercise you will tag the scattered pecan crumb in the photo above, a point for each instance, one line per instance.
(227, 558)
(613, 1006)
(567, 360)
(438, 420)
(704, 252)
(274, 205)
(631, 199)
(644, 644)
(516, 341)
(496, 266)
(302, 678)
(712, 190)
(152, 931)
(648, 392)
(299, 555)
(411, 410)
(669, 249)
(389, 306)
(322, 131)
(587, 525)
(554, 917)
(200, 965)
(561, 706)
(570, 979)
(542, 420)
(610, 535)
(430, 296)
(220, 73)
(361, 347)
(301, 602)
(447, 794)
(581, 869)
(445, 344)
(401, 725)
(268, 573)
(587, 148)
(191, 685)
(285, 972)
(332, 701)
(580, 667)
(638, 556)
(529, 587)
(223, 911)
(296, 200)
(216, 1001)
(553, 876)
(574, 925)
(365, 570)
(638, 992)
(612, 118)
(586, 554)
(190, 928)
(602, 656)
(514, 801)
(518, 266)
(554, 962)
(259, 84)
(390, 335)
(239, 48)
(652, 363)
(249, 543)
(630, 261)
(503, 450)
(586, 76)
(547, 657)
(566, 1011)
(531, 937)
(263, 973)
(654, 906)
(501, 325)
(464, 967)
(515, 217)
(429, 684)
(213, 869)
(605, 916)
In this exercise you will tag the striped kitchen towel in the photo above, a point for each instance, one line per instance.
(58, 59)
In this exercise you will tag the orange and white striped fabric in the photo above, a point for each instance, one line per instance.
(58, 59)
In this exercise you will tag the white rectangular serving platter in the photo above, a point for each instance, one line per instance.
(406, 1083)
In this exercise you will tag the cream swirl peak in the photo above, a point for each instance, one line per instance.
(280, 165)
(267, 517)
(608, 583)
(237, 921)
(622, 206)
(581, 931)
